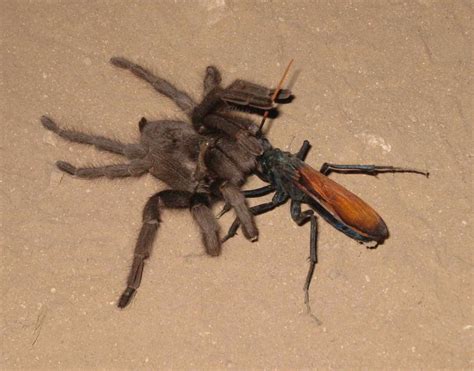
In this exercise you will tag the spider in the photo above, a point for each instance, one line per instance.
(200, 163)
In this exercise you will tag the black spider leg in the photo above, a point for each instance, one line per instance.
(162, 86)
(278, 199)
(170, 199)
(327, 168)
(136, 167)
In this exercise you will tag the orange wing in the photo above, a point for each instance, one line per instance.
(342, 204)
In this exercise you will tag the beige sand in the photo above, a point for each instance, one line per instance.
(383, 82)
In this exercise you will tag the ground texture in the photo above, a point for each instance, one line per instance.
(384, 82)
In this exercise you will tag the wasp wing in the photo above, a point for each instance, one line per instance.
(341, 203)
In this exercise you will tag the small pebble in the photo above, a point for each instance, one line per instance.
(49, 138)
(55, 178)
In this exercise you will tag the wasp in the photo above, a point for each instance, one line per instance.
(290, 178)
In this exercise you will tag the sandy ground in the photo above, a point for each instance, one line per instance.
(385, 82)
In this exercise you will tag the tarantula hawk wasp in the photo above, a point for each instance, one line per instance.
(201, 164)
(290, 178)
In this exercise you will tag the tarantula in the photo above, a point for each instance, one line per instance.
(202, 163)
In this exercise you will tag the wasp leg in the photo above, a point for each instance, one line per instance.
(278, 200)
(327, 168)
(251, 193)
(300, 218)
(258, 192)
(301, 154)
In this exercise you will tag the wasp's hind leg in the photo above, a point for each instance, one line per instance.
(327, 168)
(300, 217)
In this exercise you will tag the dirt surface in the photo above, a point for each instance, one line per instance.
(384, 82)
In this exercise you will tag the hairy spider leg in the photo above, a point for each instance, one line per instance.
(234, 197)
(162, 86)
(134, 168)
(171, 199)
(131, 151)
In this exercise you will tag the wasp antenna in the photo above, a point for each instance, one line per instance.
(275, 94)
